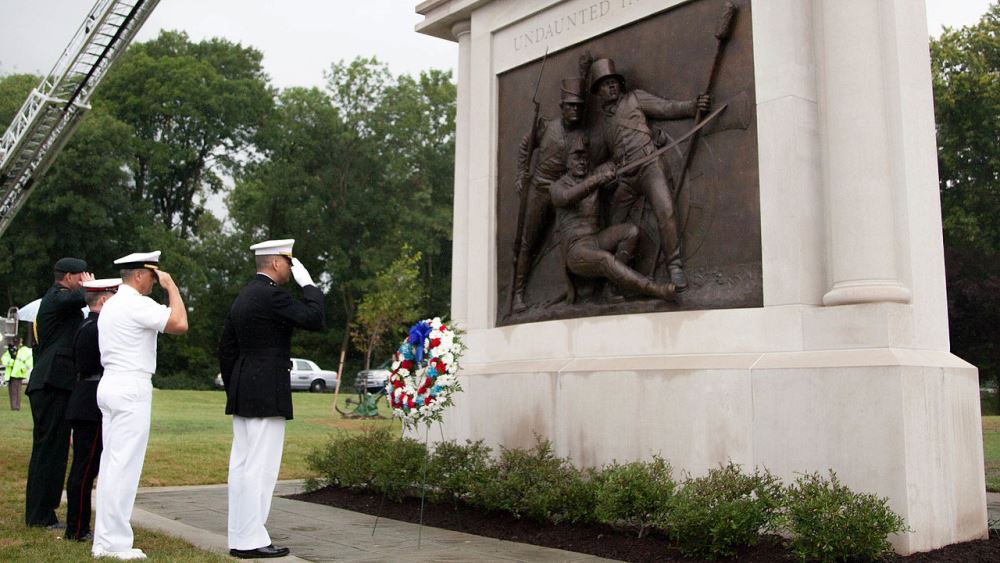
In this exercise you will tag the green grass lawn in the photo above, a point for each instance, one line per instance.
(188, 445)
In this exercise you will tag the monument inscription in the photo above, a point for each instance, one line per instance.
(636, 168)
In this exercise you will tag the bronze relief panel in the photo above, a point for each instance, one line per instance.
(627, 177)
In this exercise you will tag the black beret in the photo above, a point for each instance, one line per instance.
(70, 265)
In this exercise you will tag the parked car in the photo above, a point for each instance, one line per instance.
(305, 374)
(373, 380)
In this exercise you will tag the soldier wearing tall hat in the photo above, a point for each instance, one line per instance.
(626, 135)
(59, 315)
(255, 360)
(127, 329)
(83, 414)
(552, 139)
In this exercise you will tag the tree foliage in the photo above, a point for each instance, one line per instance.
(194, 109)
(966, 69)
(966, 66)
(353, 171)
(390, 306)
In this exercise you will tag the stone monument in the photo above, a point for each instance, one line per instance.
(710, 232)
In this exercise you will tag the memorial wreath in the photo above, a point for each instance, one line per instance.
(424, 372)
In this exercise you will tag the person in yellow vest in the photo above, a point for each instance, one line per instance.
(17, 363)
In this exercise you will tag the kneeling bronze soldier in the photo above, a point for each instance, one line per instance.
(589, 251)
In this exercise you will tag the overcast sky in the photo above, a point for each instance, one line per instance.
(299, 38)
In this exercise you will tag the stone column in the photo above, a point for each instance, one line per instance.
(857, 153)
(461, 216)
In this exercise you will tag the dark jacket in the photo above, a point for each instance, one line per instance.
(255, 351)
(87, 359)
(59, 315)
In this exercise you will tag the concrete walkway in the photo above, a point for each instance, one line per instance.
(322, 533)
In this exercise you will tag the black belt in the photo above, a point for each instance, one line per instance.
(95, 377)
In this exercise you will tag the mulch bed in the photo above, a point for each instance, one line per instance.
(593, 539)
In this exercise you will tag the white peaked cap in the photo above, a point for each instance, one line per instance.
(136, 260)
(272, 247)
(105, 284)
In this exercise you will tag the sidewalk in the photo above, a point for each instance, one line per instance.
(322, 533)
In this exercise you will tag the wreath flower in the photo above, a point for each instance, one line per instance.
(424, 374)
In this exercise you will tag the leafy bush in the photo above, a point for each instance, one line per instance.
(712, 516)
(634, 495)
(537, 484)
(827, 521)
(459, 472)
(350, 460)
(400, 465)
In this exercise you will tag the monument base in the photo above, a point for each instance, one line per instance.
(900, 423)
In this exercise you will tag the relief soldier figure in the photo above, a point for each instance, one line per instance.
(552, 138)
(626, 136)
(587, 250)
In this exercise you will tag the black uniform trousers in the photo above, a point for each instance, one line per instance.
(49, 453)
(87, 448)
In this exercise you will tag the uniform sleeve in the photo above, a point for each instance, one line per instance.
(150, 314)
(69, 300)
(659, 108)
(6, 360)
(29, 359)
(229, 350)
(307, 314)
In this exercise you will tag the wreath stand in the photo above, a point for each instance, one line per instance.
(420, 362)
(423, 487)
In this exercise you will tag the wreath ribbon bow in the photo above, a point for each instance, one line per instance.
(418, 333)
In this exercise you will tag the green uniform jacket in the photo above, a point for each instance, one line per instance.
(18, 367)
(59, 315)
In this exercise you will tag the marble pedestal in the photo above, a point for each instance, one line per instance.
(847, 364)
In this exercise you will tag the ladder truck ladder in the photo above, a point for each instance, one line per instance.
(54, 109)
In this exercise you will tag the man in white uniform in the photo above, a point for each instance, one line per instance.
(127, 331)
(254, 360)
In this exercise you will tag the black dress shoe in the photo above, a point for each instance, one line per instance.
(260, 552)
(85, 537)
(56, 526)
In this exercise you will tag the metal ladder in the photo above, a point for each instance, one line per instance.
(54, 109)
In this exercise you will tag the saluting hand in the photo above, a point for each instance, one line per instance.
(301, 274)
(86, 276)
(165, 279)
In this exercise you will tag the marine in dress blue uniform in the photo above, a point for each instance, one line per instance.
(83, 414)
(255, 360)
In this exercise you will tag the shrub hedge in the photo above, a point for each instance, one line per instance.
(709, 516)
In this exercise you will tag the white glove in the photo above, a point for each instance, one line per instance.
(301, 274)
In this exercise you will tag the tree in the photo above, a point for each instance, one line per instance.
(966, 71)
(353, 173)
(79, 208)
(391, 305)
(195, 109)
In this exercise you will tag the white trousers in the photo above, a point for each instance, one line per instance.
(253, 470)
(126, 400)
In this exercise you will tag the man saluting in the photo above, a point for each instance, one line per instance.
(127, 329)
(255, 359)
(83, 414)
(59, 315)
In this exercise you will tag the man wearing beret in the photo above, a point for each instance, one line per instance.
(59, 315)
(254, 356)
(126, 332)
